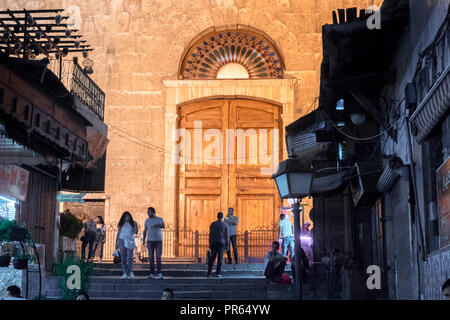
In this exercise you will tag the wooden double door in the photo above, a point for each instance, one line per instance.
(227, 151)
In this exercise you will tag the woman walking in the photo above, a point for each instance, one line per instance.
(100, 238)
(125, 243)
(88, 237)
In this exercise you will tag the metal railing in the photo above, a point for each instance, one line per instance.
(80, 84)
(191, 246)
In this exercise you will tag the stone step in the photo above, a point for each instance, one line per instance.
(186, 266)
(182, 295)
(107, 283)
(181, 273)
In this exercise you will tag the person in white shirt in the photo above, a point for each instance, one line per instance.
(125, 243)
(152, 230)
(287, 234)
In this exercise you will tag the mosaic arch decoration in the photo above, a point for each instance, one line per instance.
(214, 50)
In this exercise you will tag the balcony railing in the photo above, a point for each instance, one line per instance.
(80, 85)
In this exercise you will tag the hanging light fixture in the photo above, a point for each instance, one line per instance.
(57, 56)
(85, 54)
(56, 40)
(38, 35)
(77, 44)
(30, 19)
(68, 32)
(58, 19)
(48, 46)
(88, 64)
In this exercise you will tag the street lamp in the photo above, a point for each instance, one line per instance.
(293, 179)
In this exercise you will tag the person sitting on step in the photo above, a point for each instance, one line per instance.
(274, 263)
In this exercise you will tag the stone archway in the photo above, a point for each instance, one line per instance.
(200, 86)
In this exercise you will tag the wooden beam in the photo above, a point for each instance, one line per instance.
(341, 13)
(351, 14)
(369, 106)
(362, 13)
(335, 20)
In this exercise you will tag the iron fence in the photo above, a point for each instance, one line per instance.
(192, 245)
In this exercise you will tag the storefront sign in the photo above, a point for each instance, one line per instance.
(14, 181)
(443, 199)
(72, 197)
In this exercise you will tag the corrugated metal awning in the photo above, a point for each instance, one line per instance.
(434, 106)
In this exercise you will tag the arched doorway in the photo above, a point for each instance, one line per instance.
(231, 84)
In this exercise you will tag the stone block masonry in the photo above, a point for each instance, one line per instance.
(10, 276)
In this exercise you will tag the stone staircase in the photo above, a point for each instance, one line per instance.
(189, 281)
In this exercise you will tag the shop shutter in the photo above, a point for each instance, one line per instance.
(405, 250)
(433, 108)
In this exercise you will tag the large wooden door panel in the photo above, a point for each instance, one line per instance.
(201, 211)
(205, 187)
(255, 211)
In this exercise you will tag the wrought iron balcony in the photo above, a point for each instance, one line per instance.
(80, 85)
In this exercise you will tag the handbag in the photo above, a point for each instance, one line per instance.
(116, 255)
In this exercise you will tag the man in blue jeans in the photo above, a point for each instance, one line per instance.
(287, 234)
(152, 232)
(218, 243)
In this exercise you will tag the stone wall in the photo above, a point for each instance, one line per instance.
(436, 272)
(139, 43)
(10, 276)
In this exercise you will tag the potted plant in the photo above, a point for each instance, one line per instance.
(20, 258)
(5, 229)
(70, 227)
(5, 257)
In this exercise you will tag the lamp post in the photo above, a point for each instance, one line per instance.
(293, 179)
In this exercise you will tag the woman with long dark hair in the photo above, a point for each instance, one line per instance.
(125, 243)
(101, 236)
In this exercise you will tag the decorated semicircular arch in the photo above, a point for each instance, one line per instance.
(211, 52)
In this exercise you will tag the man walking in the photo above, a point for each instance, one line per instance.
(287, 234)
(232, 221)
(152, 231)
(218, 243)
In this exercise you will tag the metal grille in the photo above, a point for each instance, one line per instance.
(405, 262)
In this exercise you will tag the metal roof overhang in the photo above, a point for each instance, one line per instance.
(433, 108)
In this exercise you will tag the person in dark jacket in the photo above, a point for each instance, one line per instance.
(100, 237)
(218, 242)
(88, 238)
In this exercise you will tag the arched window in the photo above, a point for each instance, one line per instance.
(232, 54)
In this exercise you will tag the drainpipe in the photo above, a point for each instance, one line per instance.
(416, 199)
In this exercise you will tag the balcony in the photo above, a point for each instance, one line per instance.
(80, 85)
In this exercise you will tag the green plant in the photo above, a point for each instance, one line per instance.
(19, 253)
(10, 230)
(85, 272)
(4, 251)
(5, 229)
(71, 226)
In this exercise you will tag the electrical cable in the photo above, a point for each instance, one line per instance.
(356, 138)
